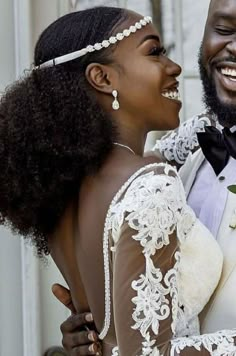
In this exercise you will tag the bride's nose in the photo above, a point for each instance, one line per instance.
(173, 69)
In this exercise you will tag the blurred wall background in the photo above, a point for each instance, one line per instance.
(30, 317)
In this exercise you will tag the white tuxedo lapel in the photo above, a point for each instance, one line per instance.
(221, 310)
(227, 239)
(220, 313)
(190, 168)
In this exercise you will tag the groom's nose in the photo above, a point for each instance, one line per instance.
(231, 47)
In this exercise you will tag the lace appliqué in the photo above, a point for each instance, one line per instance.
(154, 206)
(113, 222)
(220, 343)
(115, 351)
(175, 146)
(151, 302)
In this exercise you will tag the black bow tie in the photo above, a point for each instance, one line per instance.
(217, 147)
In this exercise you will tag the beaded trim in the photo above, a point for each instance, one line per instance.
(107, 319)
(97, 46)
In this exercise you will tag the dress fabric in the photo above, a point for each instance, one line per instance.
(165, 267)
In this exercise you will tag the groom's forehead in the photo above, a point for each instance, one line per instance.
(221, 10)
(222, 6)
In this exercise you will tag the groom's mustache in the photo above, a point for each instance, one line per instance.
(230, 59)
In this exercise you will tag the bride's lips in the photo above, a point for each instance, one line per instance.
(171, 92)
(226, 74)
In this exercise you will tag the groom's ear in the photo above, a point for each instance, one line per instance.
(64, 296)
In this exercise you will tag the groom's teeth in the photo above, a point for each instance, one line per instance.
(171, 95)
(228, 72)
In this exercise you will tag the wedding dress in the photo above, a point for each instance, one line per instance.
(161, 266)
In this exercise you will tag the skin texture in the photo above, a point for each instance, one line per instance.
(141, 73)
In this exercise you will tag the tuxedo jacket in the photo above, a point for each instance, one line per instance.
(220, 313)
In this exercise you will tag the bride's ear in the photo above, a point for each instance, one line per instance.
(101, 77)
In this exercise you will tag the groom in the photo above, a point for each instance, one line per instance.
(207, 174)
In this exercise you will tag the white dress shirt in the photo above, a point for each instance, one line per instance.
(209, 194)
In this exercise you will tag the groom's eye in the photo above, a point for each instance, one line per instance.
(224, 31)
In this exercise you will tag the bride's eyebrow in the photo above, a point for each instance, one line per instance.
(149, 37)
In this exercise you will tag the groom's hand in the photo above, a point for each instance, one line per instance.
(79, 337)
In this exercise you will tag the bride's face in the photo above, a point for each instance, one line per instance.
(147, 86)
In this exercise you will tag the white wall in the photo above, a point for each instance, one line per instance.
(194, 18)
(11, 337)
(23, 281)
(7, 49)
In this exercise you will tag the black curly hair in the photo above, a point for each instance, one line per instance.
(52, 131)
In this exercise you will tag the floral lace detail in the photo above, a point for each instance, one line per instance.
(151, 302)
(171, 282)
(114, 225)
(175, 146)
(221, 343)
(115, 351)
(154, 206)
(148, 349)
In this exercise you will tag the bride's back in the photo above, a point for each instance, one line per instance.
(77, 245)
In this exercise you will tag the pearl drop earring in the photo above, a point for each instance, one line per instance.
(115, 103)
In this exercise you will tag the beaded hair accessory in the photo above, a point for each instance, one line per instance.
(97, 46)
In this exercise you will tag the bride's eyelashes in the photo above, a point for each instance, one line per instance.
(157, 51)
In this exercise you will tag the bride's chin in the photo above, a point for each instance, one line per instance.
(177, 122)
(174, 124)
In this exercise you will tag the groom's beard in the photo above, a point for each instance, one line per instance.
(225, 113)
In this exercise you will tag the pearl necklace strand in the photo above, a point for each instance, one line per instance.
(124, 146)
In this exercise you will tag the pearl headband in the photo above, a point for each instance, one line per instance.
(104, 44)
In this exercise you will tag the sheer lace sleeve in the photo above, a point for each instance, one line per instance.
(176, 145)
(148, 225)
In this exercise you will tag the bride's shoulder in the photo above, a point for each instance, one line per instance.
(150, 176)
(140, 173)
(157, 166)
(151, 161)
(150, 166)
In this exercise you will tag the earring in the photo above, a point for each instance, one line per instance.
(115, 103)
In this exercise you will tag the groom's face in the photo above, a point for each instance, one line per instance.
(217, 60)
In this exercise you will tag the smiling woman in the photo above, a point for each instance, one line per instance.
(116, 224)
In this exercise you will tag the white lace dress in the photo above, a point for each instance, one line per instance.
(165, 266)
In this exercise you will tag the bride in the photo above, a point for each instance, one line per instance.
(74, 180)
